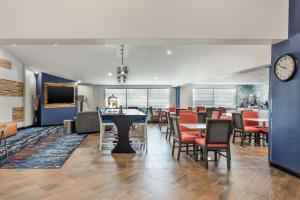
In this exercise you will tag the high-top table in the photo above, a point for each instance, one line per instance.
(123, 122)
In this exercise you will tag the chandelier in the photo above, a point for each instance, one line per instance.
(122, 69)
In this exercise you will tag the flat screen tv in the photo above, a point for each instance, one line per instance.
(60, 94)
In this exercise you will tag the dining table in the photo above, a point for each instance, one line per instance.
(123, 120)
(194, 126)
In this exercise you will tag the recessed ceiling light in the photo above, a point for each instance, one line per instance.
(14, 45)
(107, 45)
(55, 45)
(169, 52)
(79, 81)
(109, 74)
(155, 78)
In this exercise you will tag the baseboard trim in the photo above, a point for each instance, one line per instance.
(285, 169)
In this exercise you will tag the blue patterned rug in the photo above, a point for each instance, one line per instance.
(49, 151)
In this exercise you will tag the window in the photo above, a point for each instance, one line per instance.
(159, 98)
(214, 97)
(137, 97)
(119, 93)
(203, 97)
(224, 98)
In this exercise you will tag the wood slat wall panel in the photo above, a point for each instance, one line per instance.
(11, 88)
(5, 63)
(17, 114)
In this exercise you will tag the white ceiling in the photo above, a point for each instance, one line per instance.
(187, 64)
(258, 75)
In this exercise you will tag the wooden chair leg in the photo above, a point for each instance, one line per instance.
(173, 148)
(206, 158)
(179, 151)
(167, 132)
(187, 149)
(216, 156)
(170, 135)
(228, 154)
(194, 152)
(242, 140)
(233, 137)
(201, 154)
(250, 138)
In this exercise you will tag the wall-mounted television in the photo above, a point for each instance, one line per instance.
(62, 95)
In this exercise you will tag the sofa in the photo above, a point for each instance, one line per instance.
(87, 122)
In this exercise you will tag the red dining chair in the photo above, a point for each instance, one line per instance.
(240, 130)
(222, 109)
(188, 118)
(250, 114)
(187, 140)
(185, 111)
(216, 114)
(251, 125)
(200, 109)
(216, 140)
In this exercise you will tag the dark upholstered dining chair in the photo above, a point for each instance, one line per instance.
(217, 139)
(202, 117)
(209, 112)
(162, 118)
(186, 140)
(153, 114)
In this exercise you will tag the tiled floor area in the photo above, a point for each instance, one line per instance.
(89, 174)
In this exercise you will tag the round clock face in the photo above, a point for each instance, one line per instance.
(285, 67)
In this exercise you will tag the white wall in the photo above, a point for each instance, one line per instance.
(14, 74)
(88, 92)
(29, 91)
(171, 19)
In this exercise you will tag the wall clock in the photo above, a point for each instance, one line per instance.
(285, 67)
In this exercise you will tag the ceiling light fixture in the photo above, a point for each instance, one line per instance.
(155, 78)
(107, 45)
(109, 74)
(14, 45)
(55, 45)
(122, 69)
(169, 52)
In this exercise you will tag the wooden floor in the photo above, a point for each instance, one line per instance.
(89, 174)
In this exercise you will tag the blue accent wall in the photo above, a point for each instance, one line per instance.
(177, 90)
(285, 101)
(52, 116)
